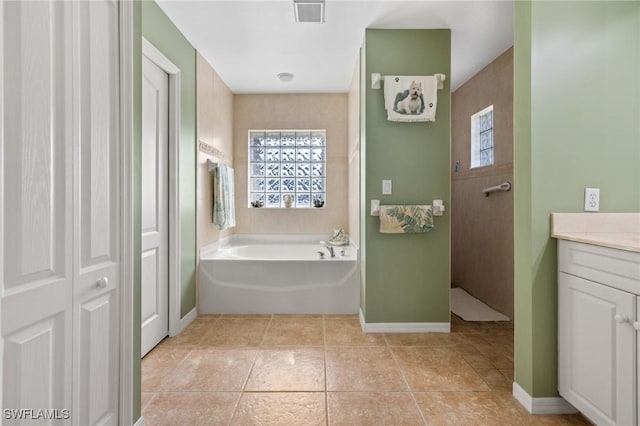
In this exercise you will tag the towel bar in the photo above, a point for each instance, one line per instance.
(505, 186)
(377, 78)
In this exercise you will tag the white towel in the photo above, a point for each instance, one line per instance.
(224, 209)
(410, 98)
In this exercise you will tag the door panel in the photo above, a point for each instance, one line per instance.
(98, 45)
(97, 221)
(97, 320)
(31, 360)
(155, 225)
(35, 131)
(36, 199)
(149, 268)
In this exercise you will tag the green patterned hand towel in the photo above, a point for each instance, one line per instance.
(405, 219)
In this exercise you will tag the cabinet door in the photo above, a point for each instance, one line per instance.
(636, 326)
(96, 213)
(596, 345)
(36, 206)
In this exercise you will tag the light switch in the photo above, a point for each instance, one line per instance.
(386, 187)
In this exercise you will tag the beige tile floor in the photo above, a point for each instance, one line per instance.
(322, 370)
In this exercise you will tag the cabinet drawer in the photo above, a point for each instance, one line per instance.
(615, 268)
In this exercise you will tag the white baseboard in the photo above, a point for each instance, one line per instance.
(542, 406)
(184, 322)
(404, 327)
(140, 422)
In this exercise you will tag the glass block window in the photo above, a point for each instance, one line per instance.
(287, 165)
(482, 138)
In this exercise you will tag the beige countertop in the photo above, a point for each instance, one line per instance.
(614, 230)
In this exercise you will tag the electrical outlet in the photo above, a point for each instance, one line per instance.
(591, 199)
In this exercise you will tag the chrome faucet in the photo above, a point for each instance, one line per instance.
(328, 247)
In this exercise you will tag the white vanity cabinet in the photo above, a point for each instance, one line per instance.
(598, 319)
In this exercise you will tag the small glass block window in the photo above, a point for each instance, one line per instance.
(482, 138)
(287, 166)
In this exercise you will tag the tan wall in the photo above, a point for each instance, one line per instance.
(214, 127)
(293, 111)
(353, 151)
(482, 227)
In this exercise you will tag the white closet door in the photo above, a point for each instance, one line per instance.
(155, 219)
(36, 207)
(96, 213)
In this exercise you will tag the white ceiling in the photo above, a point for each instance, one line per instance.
(250, 42)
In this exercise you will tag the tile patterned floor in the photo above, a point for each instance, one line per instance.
(322, 370)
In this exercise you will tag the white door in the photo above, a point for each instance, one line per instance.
(36, 200)
(96, 213)
(59, 223)
(155, 199)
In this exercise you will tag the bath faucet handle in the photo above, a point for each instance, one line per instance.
(342, 252)
(329, 248)
(321, 253)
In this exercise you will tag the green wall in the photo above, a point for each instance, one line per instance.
(406, 276)
(523, 365)
(577, 103)
(152, 23)
(163, 34)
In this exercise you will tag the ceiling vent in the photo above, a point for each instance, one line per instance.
(309, 11)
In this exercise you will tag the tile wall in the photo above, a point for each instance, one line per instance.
(293, 111)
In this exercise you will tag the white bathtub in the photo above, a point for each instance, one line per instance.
(278, 274)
